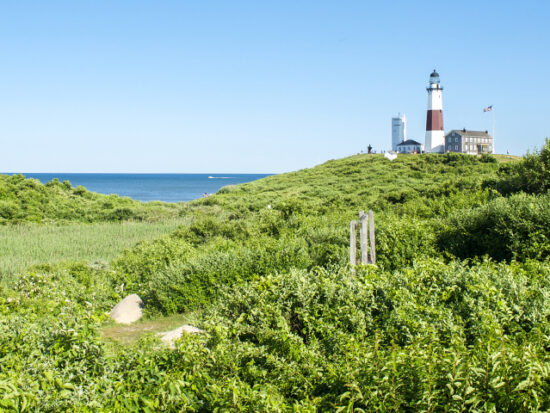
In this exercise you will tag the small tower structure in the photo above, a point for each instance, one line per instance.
(435, 137)
(398, 131)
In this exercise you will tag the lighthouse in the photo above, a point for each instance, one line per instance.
(435, 137)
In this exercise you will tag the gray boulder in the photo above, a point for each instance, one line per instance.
(128, 310)
(170, 337)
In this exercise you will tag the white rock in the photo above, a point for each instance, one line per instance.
(128, 310)
(170, 336)
(390, 156)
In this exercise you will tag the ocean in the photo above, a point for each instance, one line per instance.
(151, 187)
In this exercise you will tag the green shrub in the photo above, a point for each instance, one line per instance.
(27, 200)
(120, 214)
(455, 159)
(433, 335)
(531, 175)
(8, 210)
(79, 190)
(488, 158)
(174, 277)
(505, 228)
(399, 241)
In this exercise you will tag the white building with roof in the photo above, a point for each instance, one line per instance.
(410, 146)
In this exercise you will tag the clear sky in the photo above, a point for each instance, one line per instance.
(258, 86)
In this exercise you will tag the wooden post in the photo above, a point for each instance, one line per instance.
(352, 244)
(372, 239)
(363, 220)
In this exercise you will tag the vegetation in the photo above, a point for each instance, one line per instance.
(300, 220)
(531, 176)
(24, 245)
(129, 334)
(453, 318)
(516, 228)
(27, 200)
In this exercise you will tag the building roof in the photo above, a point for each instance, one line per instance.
(409, 142)
(463, 132)
(434, 74)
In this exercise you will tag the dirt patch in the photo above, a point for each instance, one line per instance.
(127, 334)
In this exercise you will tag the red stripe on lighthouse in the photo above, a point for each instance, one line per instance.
(434, 121)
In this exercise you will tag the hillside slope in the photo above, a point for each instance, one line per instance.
(364, 181)
(301, 219)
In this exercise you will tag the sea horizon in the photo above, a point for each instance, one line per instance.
(160, 186)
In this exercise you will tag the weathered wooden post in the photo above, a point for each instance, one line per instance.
(363, 220)
(366, 237)
(352, 244)
(372, 239)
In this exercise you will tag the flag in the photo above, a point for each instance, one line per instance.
(488, 108)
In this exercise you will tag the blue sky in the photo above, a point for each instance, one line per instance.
(258, 86)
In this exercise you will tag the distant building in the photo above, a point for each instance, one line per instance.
(398, 130)
(469, 141)
(410, 146)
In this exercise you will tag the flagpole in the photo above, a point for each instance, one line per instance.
(490, 109)
(494, 140)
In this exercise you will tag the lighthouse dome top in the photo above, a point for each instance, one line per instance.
(434, 77)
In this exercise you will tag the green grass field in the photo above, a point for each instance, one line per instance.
(24, 245)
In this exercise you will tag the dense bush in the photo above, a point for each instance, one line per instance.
(431, 336)
(186, 270)
(427, 338)
(27, 200)
(301, 220)
(505, 228)
(531, 175)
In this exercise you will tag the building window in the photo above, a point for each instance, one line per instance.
(456, 147)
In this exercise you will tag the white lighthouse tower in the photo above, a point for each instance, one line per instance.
(435, 137)
(398, 131)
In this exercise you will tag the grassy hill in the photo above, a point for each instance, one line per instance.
(300, 220)
(453, 317)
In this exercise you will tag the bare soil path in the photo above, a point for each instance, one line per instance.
(128, 334)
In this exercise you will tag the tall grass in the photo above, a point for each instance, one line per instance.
(24, 245)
